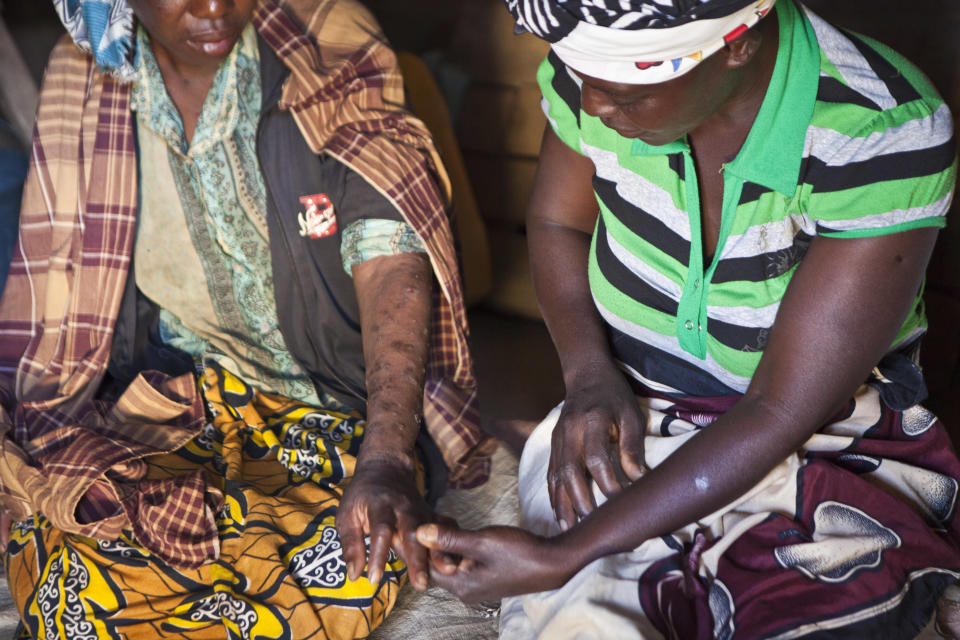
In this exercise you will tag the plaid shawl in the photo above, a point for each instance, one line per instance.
(79, 461)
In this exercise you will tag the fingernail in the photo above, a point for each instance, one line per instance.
(427, 533)
(374, 577)
(564, 525)
(350, 572)
(421, 582)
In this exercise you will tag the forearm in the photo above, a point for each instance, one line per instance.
(394, 295)
(702, 476)
(822, 347)
(558, 258)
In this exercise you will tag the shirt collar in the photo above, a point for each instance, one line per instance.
(229, 94)
(773, 151)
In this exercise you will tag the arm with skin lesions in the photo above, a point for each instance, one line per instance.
(382, 500)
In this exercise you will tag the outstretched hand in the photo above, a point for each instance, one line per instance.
(382, 502)
(599, 437)
(493, 563)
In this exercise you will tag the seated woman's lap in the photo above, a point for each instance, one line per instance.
(829, 540)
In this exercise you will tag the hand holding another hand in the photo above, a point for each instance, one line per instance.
(493, 563)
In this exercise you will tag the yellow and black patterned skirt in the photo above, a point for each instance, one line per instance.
(281, 466)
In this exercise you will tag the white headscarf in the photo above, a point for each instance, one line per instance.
(637, 41)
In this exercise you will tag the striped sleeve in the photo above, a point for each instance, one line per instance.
(894, 173)
(561, 100)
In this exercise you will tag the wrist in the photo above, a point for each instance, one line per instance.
(564, 556)
(381, 456)
(578, 546)
(590, 372)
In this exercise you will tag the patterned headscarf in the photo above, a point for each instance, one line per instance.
(636, 41)
(103, 28)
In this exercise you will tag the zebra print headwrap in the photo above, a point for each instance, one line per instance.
(636, 41)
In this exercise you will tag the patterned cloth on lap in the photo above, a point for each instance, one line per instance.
(276, 467)
(857, 534)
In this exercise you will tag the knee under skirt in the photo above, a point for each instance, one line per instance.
(855, 536)
(280, 466)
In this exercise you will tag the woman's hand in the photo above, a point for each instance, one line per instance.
(495, 562)
(600, 432)
(382, 502)
(598, 437)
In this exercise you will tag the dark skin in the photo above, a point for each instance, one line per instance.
(190, 38)
(382, 500)
(824, 343)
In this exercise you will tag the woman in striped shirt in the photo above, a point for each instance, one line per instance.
(733, 212)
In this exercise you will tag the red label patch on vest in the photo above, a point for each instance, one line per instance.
(318, 220)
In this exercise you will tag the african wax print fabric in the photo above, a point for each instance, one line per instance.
(279, 467)
(79, 460)
(854, 537)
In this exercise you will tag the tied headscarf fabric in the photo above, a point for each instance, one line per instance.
(636, 41)
(103, 28)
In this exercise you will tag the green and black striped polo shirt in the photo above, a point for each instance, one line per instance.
(851, 140)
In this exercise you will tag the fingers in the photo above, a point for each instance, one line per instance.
(450, 540)
(382, 525)
(412, 552)
(352, 543)
(559, 498)
(632, 430)
(601, 462)
(379, 523)
(580, 453)
(581, 496)
(447, 545)
(441, 561)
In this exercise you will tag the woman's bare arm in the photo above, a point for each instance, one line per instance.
(600, 431)
(382, 500)
(840, 314)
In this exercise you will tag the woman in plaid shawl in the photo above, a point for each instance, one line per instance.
(222, 440)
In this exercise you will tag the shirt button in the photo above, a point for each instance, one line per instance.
(689, 325)
(696, 283)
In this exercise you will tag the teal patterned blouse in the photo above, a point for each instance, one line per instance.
(202, 251)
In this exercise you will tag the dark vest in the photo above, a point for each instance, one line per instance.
(316, 300)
